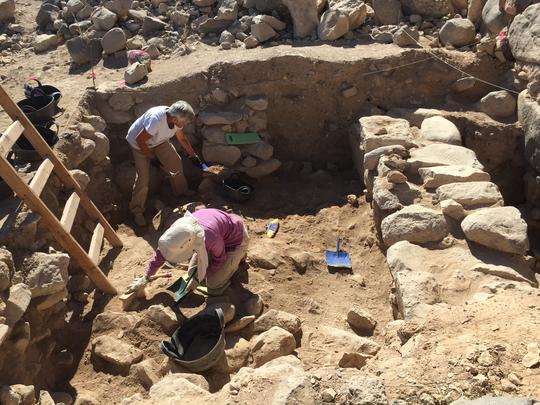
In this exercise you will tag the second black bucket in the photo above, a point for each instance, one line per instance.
(236, 189)
(38, 109)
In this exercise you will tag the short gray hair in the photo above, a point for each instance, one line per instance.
(182, 110)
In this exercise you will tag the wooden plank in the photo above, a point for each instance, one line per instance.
(95, 244)
(42, 175)
(60, 170)
(70, 211)
(11, 134)
(67, 241)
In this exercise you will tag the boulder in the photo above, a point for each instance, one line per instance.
(80, 27)
(113, 41)
(453, 209)
(387, 12)
(439, 129)
(498, 104)
(334, 24)
(219, 118)
(361, 320)
(113, 321)
(263, 168)
(524, 33)
(166, 391)
(273, 343)
(356, 11)
(47, 13)
(103, 19)
(371, 159)
(457, 32)
(391, 197)
(304, 15)
(439, 154)
(17, 303)
(280, 381)
(17, 394)
(73, 149)
(147, 372)
(74, 6)
(135, 73)
(239, 324)
(500, 228)
(229, 310)
(405, 36)
(7, 10)
(214, 134)
(380, 130)
(427, 8)
(151, 24)
(262, 32)
(102, 148)
(276, 24)
(226, 155)
(119, 7)
(257, 103)
(493, 17)
(464, 84)
(340, 348)
(6, 269)
(84, 50)
(470, 195)
(46, 273)
(529, 118)
(228, 10)
(118, 354)
(44, 42)
(291, 323)
(436, 176)
(260, 150)
(96, 121)
(237, 350)
(121, 101)
(474, 11)
(164, 317)
(254, 305)
(414, 223)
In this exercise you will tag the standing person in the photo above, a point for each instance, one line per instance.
(215, 241)
(150, 136)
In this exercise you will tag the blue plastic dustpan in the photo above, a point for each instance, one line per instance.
(338, 258)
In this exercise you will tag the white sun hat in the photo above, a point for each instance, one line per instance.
(181, 240)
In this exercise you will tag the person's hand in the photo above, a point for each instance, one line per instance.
(137, 284)
(193, 283)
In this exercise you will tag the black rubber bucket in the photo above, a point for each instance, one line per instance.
(48, 135)
(38, 109)
(199, 343)
(236, 189)
(42, 90)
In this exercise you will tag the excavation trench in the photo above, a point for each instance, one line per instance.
(314, 103)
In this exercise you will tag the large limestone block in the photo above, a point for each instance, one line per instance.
(500, 228)
(439, 129)
(437, 176)
(7, 9)
(334, 24)
(371, 159)
(474, 194)
(46, 273)
(227, 155)
(291, 323)
(439, 154)
(167, 391)
(387, 12)
(273, 343)
(103, 19)
(304, 15)
(341, 348)
(17, 303)
(493, 17)
(280, 381)
(498, 104)
(524, 35)
(457, 32)
(415, 224)
(380, 130)
(355, 10)
(119, 354)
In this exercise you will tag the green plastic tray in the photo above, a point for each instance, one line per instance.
(234, 138)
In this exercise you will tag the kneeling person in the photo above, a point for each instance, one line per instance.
(216, 243)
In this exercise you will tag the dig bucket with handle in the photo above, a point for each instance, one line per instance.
(42, 90)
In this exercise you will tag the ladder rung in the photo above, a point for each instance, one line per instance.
(42, 175)
(12, 133)
(95, 244)
(70, 211)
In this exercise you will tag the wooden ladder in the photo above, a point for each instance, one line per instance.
(30, 194)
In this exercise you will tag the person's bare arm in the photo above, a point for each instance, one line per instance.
(185, 143)
(141, 141)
